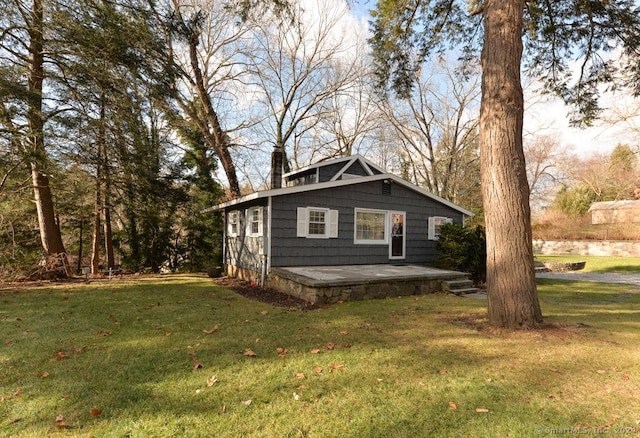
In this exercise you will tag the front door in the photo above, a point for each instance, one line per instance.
(397, 242)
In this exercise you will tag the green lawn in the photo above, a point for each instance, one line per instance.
(170, 356)
(604, 264)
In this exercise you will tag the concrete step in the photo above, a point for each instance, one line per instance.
(465, 291)
(451, 285)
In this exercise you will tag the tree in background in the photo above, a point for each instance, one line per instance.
(599, 178)
(545, 158)
(301, 67)
(406, 33)
(437, 129)
(197, 242)
(25, 113)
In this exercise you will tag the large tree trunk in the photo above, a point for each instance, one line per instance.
(49, 230)
(108, 234)
(80, 243)
(215, 137)
(95, 242)
(511, 285)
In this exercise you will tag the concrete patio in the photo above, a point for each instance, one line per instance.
(330, 284)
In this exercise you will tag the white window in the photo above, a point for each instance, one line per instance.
(435, 222)
(254, 221)
(232, 224)
(370, 226)
(321, 223)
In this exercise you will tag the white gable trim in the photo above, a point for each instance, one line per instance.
(365, 163)
(355, 158)
(338, 183)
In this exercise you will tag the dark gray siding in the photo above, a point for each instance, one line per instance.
(289, 250)
(357, 169)
(329, 171)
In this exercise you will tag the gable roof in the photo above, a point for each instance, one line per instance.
(348, 162)
(337, 183)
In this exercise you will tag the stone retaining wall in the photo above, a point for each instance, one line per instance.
(621, 248)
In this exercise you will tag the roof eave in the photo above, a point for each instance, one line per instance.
(331, 184)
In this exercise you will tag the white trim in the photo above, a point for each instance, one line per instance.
(325, 212)
(330, 223)
(384, 241)
(404, 235)
(341, 174)
(233, 214)
(333, 224)
(431, 231)
(249, 222)
(338, 183)
(366, 163)
(268, 239)
(302, 219)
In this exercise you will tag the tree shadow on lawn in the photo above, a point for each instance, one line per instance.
(428, 350)
(619, 269)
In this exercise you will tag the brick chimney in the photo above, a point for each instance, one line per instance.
(276, 169)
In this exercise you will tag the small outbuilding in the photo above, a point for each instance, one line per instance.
(615, 212)
(344, 211)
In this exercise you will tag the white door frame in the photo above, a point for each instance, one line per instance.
(402, 230)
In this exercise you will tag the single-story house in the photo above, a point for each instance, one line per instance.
(615, 212)
(344, 211)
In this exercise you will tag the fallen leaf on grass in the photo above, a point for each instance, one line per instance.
(249, 352)
(264, 312)
(14, 420)
(61, 355)
(17, 392)
(43, 375)
(344, 332)
(315, 351)
(281, 351)
(453, 405)
(103, 332)
(95, 412)
(625, 377)
(61, 422)
(317, 370)
(443, 372)
(8, 341)
(296, 396)
(601, 371)
(482, 410)
(335, 366)
(346, 345)
(211, 381)
(247, 402)
(211, 330)
(299, 375)
(196, 363)
(330, 346)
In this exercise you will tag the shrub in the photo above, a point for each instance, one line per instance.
(463, 249)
